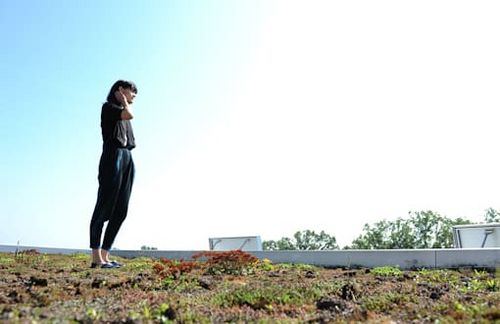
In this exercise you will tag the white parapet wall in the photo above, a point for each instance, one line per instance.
(405, 259)
(47, 250)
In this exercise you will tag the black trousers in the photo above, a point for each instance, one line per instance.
(116, 176)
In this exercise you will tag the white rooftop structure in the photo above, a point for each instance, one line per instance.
(244, 243)
(477, 236)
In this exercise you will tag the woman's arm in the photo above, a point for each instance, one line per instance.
(127, 112)
(127, 109)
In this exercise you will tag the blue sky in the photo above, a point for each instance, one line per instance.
(253, 117)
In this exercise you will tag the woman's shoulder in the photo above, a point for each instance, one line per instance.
(108, 104)
(111, 112)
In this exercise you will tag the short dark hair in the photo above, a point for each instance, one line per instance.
(120, 83)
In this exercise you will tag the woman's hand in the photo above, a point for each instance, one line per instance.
(121, 98)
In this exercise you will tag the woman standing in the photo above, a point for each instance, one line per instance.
(116, 171)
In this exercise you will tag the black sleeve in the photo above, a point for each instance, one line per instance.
(111, 112)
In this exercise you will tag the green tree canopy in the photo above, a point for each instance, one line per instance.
(423, 229)
(491, 216)
(303, 240)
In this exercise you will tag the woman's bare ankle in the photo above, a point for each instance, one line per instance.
(96, 257)
(104, 256)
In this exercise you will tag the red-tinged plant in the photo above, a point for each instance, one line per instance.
(173, 269)
(234, 262)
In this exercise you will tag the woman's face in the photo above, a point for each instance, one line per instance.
(129, 94)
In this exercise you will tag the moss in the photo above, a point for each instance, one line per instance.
(385, 302)
(138, 264)
(266, 297)
(62, 288)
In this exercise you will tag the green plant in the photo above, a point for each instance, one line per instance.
(439, 307)
(476, 285)
(92, 314)
(438, 276)
(140, 264)
(297, 266)
(264, 297)
(493, 284)
(146, 312)
(181, 284)
(462, 311)
(333, 287)
(30, 257)
(164, 313)
(80, 257)
(6, 260)
(384, 302)
(387, 271)
(133, 315)
(176, 275)
(266, 265)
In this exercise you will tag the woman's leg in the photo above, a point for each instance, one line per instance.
(109, 183)
(121, 207)
(104, 255)
(102, 209)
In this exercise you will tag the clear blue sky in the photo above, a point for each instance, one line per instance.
(252, 118)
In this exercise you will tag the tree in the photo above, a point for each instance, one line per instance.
(148, 248)
(303, 240)
(375, 236)
(492, 216)
(424, 229)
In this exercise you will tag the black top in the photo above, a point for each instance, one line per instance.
(115, 131)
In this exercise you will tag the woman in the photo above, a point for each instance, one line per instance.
(116, 171)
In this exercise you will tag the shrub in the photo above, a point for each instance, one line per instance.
(167, 268)
(235, 262)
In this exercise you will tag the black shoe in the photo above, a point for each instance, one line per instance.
(102, 266)
(115, 263)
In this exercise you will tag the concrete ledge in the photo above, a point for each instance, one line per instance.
(405, 259)
(47, 250)
(455, 258)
